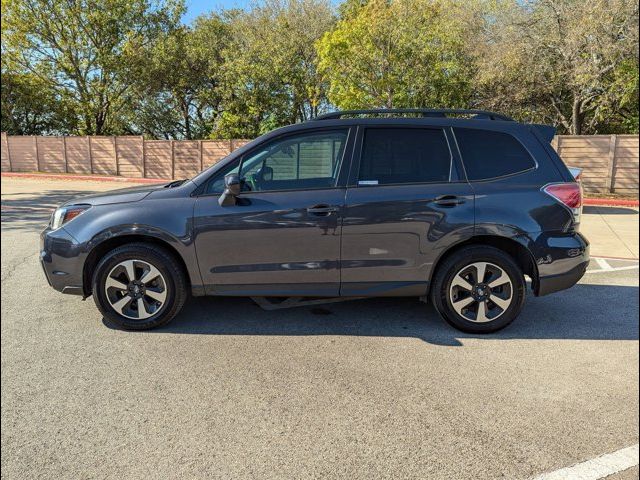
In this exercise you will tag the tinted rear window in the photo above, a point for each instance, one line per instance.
(404, 155)
(488, 154)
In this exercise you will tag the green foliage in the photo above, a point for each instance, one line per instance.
(30, 107)
(270, 74)
(177, 86)
(81, 49)
(130, 66)
(403, 53)
(566, 62)
(619, 110)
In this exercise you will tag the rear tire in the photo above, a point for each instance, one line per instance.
(479, 289)
(139, 286)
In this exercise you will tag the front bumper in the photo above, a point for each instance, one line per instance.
(562, 262)
(62, 260)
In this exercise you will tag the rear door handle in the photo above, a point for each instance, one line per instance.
(322, 210)
(448, 200)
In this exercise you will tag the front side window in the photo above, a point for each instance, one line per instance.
(404, 155)
(297, 162)
(488, 154)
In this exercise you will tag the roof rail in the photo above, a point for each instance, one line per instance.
(425, 112)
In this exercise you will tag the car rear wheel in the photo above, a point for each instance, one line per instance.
(479, 289)
(139, 286)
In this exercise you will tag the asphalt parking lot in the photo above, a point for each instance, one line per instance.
(377, 388)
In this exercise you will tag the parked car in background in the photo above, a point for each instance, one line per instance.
(456, 205)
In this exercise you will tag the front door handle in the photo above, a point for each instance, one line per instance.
(322, 210)
(448, 200)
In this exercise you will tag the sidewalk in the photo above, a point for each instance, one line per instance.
(612, 231)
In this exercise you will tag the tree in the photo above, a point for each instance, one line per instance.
(398, 53)
(130, 66)
(178, 80)
(618, 112)
(80, 50)
(29, 107)
(270, 76)
(566, 62)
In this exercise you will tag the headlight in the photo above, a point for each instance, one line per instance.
(63, 215)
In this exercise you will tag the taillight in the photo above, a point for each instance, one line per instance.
(569, 194)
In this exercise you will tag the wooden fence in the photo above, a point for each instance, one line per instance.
(609, 162)
(126, 156)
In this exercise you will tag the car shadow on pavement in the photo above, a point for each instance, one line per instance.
(26, 211)
(604, 210)
(586, 312)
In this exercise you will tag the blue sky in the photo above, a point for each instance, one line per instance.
(198, 7)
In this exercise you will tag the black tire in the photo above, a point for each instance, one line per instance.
(172, 279)
(441, 290)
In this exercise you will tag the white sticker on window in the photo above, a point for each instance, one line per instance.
(367, 182)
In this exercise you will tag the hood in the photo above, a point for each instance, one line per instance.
(121, 195)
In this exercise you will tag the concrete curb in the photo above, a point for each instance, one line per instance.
(610, 202)
(92, 178)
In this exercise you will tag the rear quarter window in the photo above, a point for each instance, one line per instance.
(487, 154)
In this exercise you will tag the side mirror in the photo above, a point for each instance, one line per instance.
(232, 187)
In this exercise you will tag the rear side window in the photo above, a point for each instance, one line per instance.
(487, 154)
(404, 155)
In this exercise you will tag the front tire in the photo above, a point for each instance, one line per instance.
(479, 289)
(139, 286)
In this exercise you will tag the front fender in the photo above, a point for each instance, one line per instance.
(182, 247)
(135, 230)
(168, 221)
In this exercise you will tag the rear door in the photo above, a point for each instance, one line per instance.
(406, 203)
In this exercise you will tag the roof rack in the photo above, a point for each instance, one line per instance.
(425, 112)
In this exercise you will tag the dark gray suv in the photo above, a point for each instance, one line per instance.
(456, 205)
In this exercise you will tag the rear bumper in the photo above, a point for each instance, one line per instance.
(62, 260)
(555, 283)
(562, 264)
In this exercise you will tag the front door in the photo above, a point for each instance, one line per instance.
(283, 235)
(406, 203)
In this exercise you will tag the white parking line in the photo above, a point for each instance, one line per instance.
(604, 265)
(613, 269)
(597, 468)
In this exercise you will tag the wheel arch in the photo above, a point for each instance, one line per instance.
(100, 249)
(513, 246)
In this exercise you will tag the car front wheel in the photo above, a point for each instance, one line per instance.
(479, 289)
(139, 286)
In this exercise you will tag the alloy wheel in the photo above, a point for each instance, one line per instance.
(135, 289)
(481, 292)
